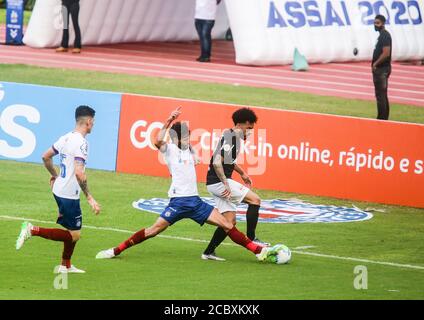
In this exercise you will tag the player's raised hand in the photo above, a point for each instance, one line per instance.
(175, 114)
(94, 205)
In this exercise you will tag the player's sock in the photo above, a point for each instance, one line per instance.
(252, 216)
(216, 240)
(239, 238)
(136, 238)
(52, 234)
(68, 250)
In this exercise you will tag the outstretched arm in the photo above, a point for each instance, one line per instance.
(159, 140)
(219, 170)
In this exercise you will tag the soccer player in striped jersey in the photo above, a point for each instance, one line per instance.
(72, 149)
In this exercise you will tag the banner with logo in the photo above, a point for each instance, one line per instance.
(33, 117)
(277, 211)
(325, 155)
(299, 152)
(267, 32)
(14, 21)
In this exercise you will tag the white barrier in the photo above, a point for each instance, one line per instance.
(115, 21)
(265, 32)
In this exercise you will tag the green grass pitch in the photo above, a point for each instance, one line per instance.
(171, 268)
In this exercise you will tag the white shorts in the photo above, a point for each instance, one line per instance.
(238, 192)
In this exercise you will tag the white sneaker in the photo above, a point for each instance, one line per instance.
(60, 269)
(63, 269)
(211, 256)
(74, 269)
(24, 235)
(106, 254)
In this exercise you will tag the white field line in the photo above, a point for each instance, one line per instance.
(304, 247)
(110, 229)
(391, 264)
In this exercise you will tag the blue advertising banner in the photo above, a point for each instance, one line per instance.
(33, 117)
(14, 21)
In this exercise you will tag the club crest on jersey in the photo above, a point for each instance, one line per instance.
(278, 211)
(227, 147)
(84, 148)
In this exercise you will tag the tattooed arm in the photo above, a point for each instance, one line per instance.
(82, 181)
(219, 170)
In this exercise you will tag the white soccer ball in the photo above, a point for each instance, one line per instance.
(283, 254)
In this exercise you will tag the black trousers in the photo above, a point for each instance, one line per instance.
(204, 30)
(381, 83)
(71, 8)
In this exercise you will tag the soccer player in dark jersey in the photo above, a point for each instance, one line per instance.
(184, 197)
(226, 192)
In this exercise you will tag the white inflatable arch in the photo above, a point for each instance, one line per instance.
(265, 32)
(116, 21)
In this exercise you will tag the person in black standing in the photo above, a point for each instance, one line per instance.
(70, 7)
(381, 67)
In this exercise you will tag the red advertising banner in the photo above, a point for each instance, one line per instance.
(325, 155)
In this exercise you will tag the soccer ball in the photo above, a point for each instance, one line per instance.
(282, 254)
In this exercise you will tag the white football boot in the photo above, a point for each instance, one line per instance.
(265, 252)
(211, 256)
(24, 235)
(64, 269)
(106, 254)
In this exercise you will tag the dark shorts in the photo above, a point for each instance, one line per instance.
(187, 207)
(70, 215)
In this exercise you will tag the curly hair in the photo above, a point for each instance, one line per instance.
(244, 115)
